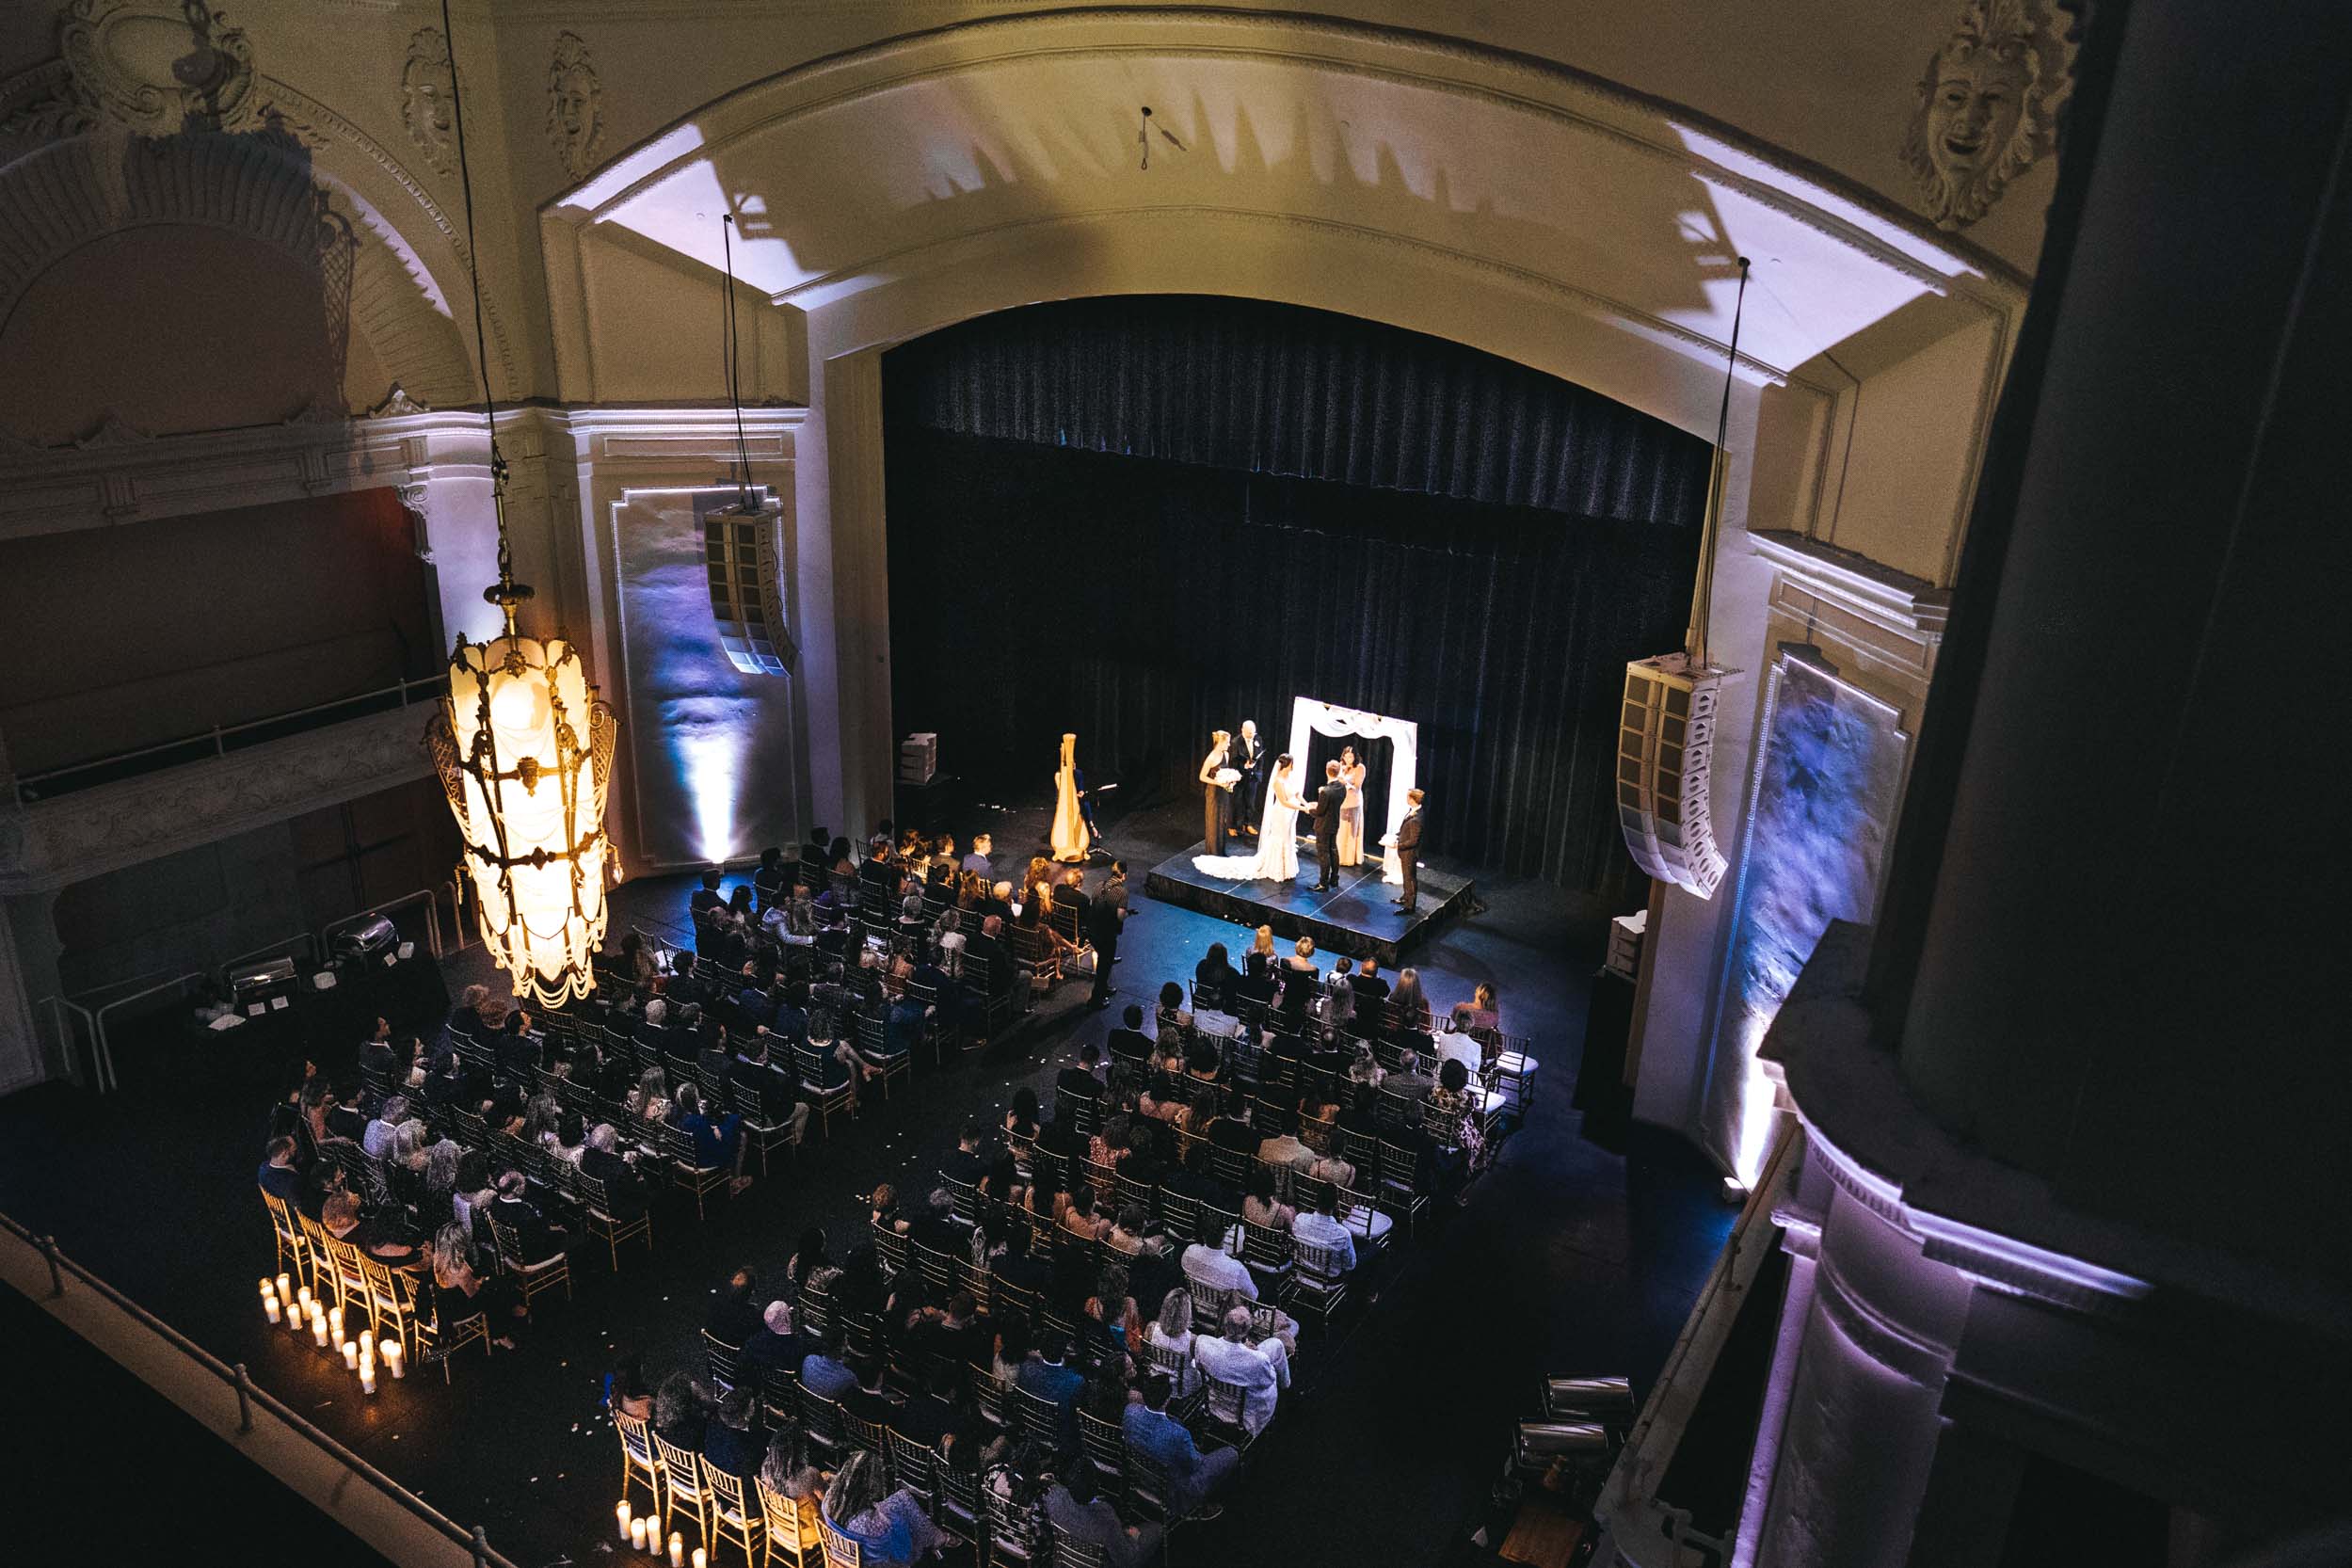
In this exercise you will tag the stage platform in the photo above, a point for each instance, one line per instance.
(1357, 918)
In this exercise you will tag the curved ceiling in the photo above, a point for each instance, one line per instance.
(859, 170)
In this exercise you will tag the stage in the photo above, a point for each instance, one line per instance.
(1358, 918)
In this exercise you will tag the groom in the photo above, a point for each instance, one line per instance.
(1330, 801)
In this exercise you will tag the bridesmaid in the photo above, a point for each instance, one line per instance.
(1351, 813)
(1216, 797)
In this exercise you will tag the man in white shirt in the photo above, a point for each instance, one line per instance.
(1284, 1148)
(1261, 1370)
(1207, 1261)
(1319, 1227)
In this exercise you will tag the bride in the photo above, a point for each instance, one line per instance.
(1277, 857)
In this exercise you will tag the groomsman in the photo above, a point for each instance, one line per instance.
(1329, 802)
(1409, 851)
(1249, 755)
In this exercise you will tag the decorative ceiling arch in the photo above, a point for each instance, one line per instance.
(856, 173)
(68, 175)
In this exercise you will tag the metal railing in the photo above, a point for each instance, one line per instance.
(220, 740)
(252, 1395)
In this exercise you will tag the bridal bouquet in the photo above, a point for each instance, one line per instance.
(1228, 778)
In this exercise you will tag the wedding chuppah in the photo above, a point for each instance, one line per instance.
(1347, 886)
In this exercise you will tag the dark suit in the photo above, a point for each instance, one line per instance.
(1408, 857)
(1248, 754)
(1329, 802)
(1100, 925)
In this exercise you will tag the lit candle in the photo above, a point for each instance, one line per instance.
(395, 1359)
(621, 1513)
(350, 1356)
(318, 1329)
(285, 1288)
(653, 1532)
(637, 1535)
(678, 1550)
(304, 1298)
(270, 1309)
(334, 1324)
(367, 1377)
(702, 1559)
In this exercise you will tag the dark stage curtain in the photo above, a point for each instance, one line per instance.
(1144, 605)
(1278, 389)
(1145, 533)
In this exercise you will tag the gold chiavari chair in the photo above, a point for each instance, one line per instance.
(292, 1258)
(681, 1476)
(785, 1537)
(389, 1300)
(731, 1517)
(840, 1550)
(638, 1461)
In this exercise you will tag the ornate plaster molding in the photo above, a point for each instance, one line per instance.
(1987, 107)
(84, 834)
(575, 106)
(159, 69)
(428, 90)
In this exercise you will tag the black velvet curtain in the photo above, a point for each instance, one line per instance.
(1143, 601)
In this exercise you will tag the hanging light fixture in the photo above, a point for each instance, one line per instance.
(1666, 722)
(523, 748)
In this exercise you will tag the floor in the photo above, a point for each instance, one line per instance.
(1569, 1258)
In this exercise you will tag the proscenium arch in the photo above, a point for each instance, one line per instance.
(1514, 206)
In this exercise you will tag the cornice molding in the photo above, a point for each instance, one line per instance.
(93, 831)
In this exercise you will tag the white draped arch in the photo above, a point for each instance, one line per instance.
(1328, 718)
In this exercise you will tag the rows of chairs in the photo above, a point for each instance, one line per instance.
(394, 1301)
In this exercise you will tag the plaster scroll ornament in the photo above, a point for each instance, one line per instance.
(575, 112)
(1988, 107)
(426, 85)
(159, 68)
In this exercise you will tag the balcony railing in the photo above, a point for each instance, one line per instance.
(225, 1398)
(221, 740)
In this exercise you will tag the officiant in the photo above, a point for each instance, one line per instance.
(1249, 761)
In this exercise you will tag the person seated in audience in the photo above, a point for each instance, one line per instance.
(636, 959)
(836, 1060)
(461, 1292)
(518, 1048)
(443, 1162)
(540, 1238)
(775, 1343)
(625, 1191)
(810, 1256)
(902, 1026)
(1484, 1014)
(337, 1118)
(954, 1333)
(736, 1440)
(649, 1100)
(1108, 1143)
(378, 1059)
(934, 1226)
(1455, 1042)
(1129, 1041)
(963, 1164)
(1299, 965)
(1079, 1513)
(1261, 1369)
(736, 1313)
(1411, 1078)
(977, 862)
(718, 1136)
(1284, 1147)
(1017, 1483)
(1364, 1069)
(1194, 1476)
(769, 882)
(1230, 1128)
(339, 1214)
(1167, 1052)
(1204, 1057)
(1319, 1224)
(1215, 979)
(1046, 1374)
(1333, 1169)
(539, 1116)
(824, 1371)
(1171, 1020)
(1020, 1122)
(707, 897)
(1262, 1203)
(1407, 1002)
(776, 1089)
(626, 1391)
(681, 1410)
(787, 1472)
(1002, 1182)
(1079, 1218)
(1452, 1123)
(872, 1400)
(466, 1017)
(278, 1177)
(891, 1528)
(795, 921)
(1171, 1331)
(791, 1023)
(1128, 1229)
(1081, 1080)
(882, 1211)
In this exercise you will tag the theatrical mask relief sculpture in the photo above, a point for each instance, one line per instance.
(575, 114)
(424, 98)
(1988, 107)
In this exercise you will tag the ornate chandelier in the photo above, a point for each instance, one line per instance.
(524, 750)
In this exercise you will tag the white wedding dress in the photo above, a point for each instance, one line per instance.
(1277, 857)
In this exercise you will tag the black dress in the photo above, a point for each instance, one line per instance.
(1216, 807)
